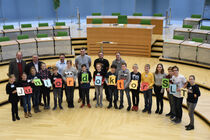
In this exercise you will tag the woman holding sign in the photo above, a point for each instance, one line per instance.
(69, 76)
(13, 98)
(45, 89)
(159, 75)
(135, 86)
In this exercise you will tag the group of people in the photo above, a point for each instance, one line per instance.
(37, 80)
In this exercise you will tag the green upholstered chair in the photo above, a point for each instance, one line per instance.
(187, 26)
(5, 38)
(200, 40)
(158, 15)
(60, 24)
(41, 35)
(97, 21)
(205, 27)
(20, 37)
(195, 16)
(137, 14)
(122, 19)
(178, 37)
(145, 22)
(26, 25)
(62, 34)
(6, 27)
(43, 24)
(96, 14)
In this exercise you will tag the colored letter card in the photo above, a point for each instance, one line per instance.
(120, 84)
(98, 80)
(165, 83)
(112, 80)
(20, 91)
(58, 83)
(133, 84)
(70, 81)
(85, 78)
(144, 86)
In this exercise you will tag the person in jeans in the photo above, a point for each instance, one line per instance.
(192, 99)
(57, 90)
(159, 91)
(70, 72)
(124, 74)
(180, 82)
(99, 88)
(147, 77)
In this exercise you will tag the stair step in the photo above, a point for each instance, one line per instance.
(155, 54)
(158, 44)
(157, 49)
(74, 42)
(78, 47)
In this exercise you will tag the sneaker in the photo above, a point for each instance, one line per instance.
(89, 106)
(13, 118)
(17, 117)
(54, 108)
(35, 110)
(121, 106)
(101, 105)
(115, 106)
(82, 106)
(110, 106)
(137, 108)
(169, 114)
(161, 111)
(29, 114)
(144, 110)
(60, 107)
(157, 111)
(128, 108)
(190, 127)
(187, 125)
(25, 115)
(172, 117)
(96, 105)
(133, 108)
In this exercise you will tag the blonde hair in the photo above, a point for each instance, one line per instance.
(11, 76)
(135, 65)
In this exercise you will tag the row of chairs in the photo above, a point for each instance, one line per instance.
(134, 14)
(191, 27)
(122, 19)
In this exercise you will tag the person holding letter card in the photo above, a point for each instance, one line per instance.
(84, 78)
(135, 88)
(111, 80)
(13, 98)
(124, 75)
(148, 78)
(69, 76)
(56, 80)
(98, 80)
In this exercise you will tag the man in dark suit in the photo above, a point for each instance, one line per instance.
(17, 66)
(37, 65)
(34, 63)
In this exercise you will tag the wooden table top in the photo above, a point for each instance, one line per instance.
(139, 26)
(191, 43)
(62, 38)
(182, 29)
(11, 30)
(61, 27)
(129, 17)
(200, 31)
(45, 39)
(8, 43)
(173, 41)
(204, 45)
(28, 29)
(30, 40)
(193, 19)
(45, 28)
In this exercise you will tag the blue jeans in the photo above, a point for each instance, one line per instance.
(27, 103)
(148, 99)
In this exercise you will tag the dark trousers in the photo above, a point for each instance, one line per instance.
(46, 95)
(178, 107)
(127, 94)
(36, 97)
(14, 109)
(135, 97)
(171, 103)
(159, 97)
(191, 109)
(27, 103)
(57, 94)
(40, 97)
(85, 94)
(112, 92)
(69, 95)
(80, 91)
(148, 99)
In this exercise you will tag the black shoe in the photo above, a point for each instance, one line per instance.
(161, 111)
(17, 117)
(71, 106)
(187, 125)
(94, 98)
(121, 106)
(149, 112)
(157, 111)
(178, 121)
(169, 114)
(13, 118)
(190, 127)
(128, 108)
(172, 117)
(35, 110)
(110, 106)
(38, 110)
(54, 108)
(115, 106)
(61, 107)
(144, 110)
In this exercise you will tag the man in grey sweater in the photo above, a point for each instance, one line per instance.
(124, 74)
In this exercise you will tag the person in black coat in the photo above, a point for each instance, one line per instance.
(13, 98)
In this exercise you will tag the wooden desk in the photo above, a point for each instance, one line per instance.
(12, 33)
(203, 54)
(171, 48)
(61, 29)
(130, 39)
(45, 46)
(197, 33)
(195, 22)
(46, 30)
(157, 21)
(9, 49)
(31, 32)
(188, 50)
(183, 32)
(28, 47)
(63, 45)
